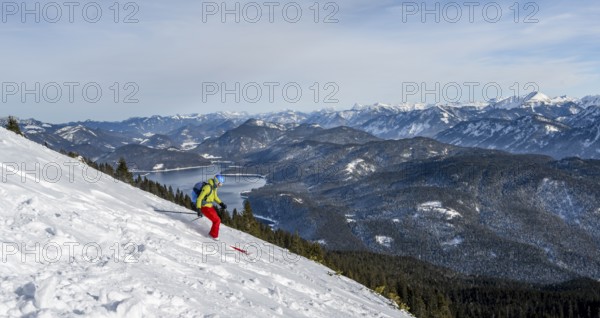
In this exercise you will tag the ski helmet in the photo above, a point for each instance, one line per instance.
(220, 178)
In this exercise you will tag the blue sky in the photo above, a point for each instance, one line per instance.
(172, 62)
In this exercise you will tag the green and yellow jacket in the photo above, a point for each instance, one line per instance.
(208, 195)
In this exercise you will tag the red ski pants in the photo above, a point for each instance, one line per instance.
(212, 215)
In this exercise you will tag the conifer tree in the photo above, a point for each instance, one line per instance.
(122, 172)
(13, 125)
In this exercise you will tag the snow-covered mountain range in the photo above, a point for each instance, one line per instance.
(79, 243)
(574, 131)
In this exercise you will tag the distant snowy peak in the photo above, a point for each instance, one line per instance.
(591, 100)
(231, 115)
(222, 115)
(263, 123)
(284, 117)
(390, 108)
(475, 104)
(538, 97)
(407, 107)
(375, 107)
(532, 99)
(70, 132)
(529, 100)
(564, 99)
(410, 107)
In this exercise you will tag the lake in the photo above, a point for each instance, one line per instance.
(231, 192)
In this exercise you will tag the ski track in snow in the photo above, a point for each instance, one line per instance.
(72, 247)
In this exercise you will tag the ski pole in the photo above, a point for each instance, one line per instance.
(176, 212)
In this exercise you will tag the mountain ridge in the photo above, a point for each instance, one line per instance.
(188, 132)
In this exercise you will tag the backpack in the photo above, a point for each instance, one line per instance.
(198, 189)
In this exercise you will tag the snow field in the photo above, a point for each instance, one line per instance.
(73, 246)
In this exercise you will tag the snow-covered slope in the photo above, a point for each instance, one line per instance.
(78, 243)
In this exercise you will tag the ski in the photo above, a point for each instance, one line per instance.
(235, 248)
(239, 250)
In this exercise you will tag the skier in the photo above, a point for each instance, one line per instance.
(206, 200)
